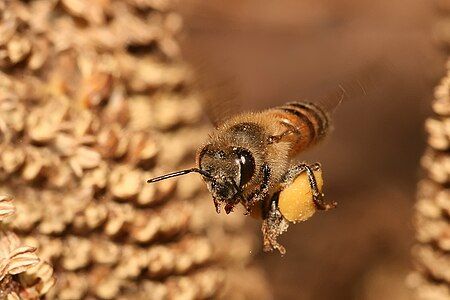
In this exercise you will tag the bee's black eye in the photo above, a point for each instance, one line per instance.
(246, 164)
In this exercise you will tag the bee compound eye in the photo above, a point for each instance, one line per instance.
(246, 165)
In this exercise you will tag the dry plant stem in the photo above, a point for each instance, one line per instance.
(95, 99)
(431, 279)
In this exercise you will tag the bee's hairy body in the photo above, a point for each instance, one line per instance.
(273, 137)
(248, 159)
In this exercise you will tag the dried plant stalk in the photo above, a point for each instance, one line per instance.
(432, 278)
(95, 99)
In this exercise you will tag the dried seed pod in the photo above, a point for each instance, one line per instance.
(440, 104)
(86, 158)
(18, 48)
(176, 218)
(140, 109)
(438, 166)
(147, 195)
(157, 289)
(105, 252)
(74, 260)
(95, 215)
(132, 263)
(108, 288)
(44, 123)
(12, 159)
(39, 54)
(125, 183)
(439, 133)
(29, 212)
(426, 289)
(70, 286)
(15, 259)
(142, 149)
(146, 227)
(12, 114)
(119, 218)
(108, 142)
(161, 261)
(38, 279)
(6, 207)
(91, 11)
(35, 164)
(169, 113)
(97, 89)
(50, 248)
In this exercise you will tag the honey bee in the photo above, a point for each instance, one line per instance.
(250, 159)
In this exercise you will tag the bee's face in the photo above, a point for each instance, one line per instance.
(230, 169)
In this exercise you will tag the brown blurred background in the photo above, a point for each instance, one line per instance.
(282, 50)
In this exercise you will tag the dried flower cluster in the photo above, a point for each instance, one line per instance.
(22, 274)
(94, 99)
(431, 254)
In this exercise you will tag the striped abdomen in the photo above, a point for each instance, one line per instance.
(307, 122)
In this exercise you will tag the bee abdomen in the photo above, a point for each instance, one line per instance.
(315, 114)
(308, 120)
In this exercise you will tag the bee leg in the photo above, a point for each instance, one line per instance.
(274, 224)
(318, 197)
(276, 138)
(216, 205)
(261, 192)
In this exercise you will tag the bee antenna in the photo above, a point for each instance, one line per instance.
(179, 173)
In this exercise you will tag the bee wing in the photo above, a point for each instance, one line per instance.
(218, 91)
(358, 86)
(219, 97)
(332, 99)
(218, 88)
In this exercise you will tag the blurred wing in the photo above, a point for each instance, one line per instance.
(203, 15)
(219, 97)
(218, 91)
(358, 86)
(343, 91)
(213, 78)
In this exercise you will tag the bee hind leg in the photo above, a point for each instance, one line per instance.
(318, 197)
(274, 224)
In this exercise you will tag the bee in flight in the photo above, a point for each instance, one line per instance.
(250, 159)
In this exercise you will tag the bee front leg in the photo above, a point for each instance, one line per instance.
(261, 192)
(318, 197)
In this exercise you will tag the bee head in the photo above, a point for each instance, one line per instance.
(225, 171)
(230, 169)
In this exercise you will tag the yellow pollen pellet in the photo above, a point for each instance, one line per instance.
(296, 200)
